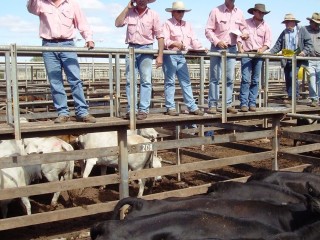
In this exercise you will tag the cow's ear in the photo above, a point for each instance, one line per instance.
(138, 205)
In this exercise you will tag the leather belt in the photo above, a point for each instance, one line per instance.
(57, 40)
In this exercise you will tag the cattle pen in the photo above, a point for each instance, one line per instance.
(106, 97)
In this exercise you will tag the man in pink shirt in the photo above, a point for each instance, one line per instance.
(58, 21)
(143, 26)
(224, 24)
(258, 42)
(178, 36)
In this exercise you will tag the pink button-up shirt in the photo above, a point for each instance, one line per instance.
(142, 29)
(222, 22)
(60, 21)
(173, 31)
(259, 36)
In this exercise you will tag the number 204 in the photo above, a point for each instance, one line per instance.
(147, 147)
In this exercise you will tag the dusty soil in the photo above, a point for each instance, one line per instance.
(78, 228)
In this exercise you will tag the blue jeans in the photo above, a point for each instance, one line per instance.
(314, 82)
(215, 76)
(250, 71)
(143, 65)
(55, 62)
(177, 65)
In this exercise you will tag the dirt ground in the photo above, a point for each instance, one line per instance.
(78, 228)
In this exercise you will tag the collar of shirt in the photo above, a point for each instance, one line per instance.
(176, 23)
(254, 23)
(137, 12)
(225, 9)
(290, 30)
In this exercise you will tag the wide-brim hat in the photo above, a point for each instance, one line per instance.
(315, 18)
(290, 17)
(178, 6)
(260, 7)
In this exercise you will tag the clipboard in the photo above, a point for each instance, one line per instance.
(196, 51)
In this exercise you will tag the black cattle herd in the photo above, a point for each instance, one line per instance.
(272, 205)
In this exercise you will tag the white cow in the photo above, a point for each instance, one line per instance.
(136, 161)
(52, 171)
(17, 176)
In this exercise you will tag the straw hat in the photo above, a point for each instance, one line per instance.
(315, 17)
(260, 7)
(176, 6)
(290, 17)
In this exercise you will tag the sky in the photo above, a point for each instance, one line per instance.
(18, 26)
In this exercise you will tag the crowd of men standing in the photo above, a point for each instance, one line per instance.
(226, 29)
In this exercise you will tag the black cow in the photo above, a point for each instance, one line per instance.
(295, 181)
(286, 217)
(184, 225)
(255, 190)
(308, 232)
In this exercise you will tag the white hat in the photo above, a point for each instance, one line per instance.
(290, 17)
(176, 6)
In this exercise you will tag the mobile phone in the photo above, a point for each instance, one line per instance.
(133, 3)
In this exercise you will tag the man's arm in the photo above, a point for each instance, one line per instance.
(120, 19)
(159, 59)
(33, 7)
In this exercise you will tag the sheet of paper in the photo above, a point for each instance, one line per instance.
(236, 32)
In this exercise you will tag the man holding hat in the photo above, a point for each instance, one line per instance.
(314, 65)
(297, 39)
(143, 26)
(258, 42)
(178, 36)
(224, 24)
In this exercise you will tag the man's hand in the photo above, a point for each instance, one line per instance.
(130, 4)
(222, 45)
(159, 61)
(245, 36)
(90, 45)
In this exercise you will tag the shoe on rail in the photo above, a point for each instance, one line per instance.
(62, 119)
(87, 119)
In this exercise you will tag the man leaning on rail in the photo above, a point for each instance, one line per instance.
(58, 21)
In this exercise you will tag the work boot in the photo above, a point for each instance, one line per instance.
(244, 109)
(252, 109)
(212, 110)
(232, 110)
(314, 103)
(62, 119)
(197, 112)
(141, 115)
(87, 119)
(172, 112)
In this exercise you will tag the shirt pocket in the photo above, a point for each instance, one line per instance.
(132, 25)
(260, 35)
(147, 29)
(223, 25)
(239, 23)
(67, 16)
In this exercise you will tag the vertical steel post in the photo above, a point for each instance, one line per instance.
(14, 78)
(224, 85)
(111, 93)
(9, 89)
(123, 163)
(133, 87)
(294, 86)
(266, 90)
(117, 79)
(275, 141)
